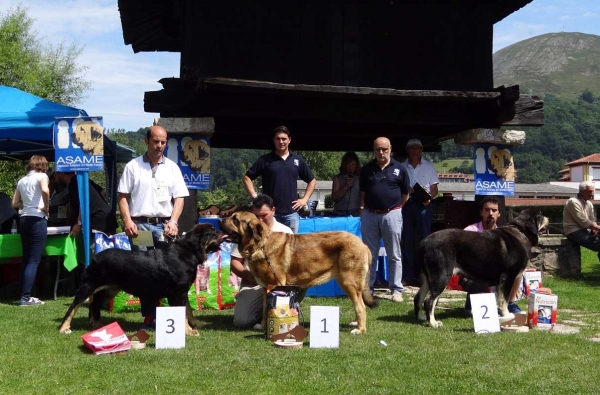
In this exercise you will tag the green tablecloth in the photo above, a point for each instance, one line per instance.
(56, 245)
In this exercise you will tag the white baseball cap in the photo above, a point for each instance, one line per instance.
(414, 142)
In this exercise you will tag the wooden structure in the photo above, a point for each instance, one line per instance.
(338, 73)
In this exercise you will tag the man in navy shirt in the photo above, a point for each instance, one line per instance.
(280, 170)
(384, 187)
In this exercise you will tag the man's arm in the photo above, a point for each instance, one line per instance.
(249, 186)
(237, 267)
(172, 227)
(310, 187)
(130, 227)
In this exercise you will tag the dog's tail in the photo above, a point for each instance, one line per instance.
(367, 295)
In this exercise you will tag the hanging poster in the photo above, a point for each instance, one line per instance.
(192, 155)
(494, 170)
(78, 144)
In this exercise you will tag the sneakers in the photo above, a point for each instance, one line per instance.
(513, 308)
(397, 298)
(31, 302)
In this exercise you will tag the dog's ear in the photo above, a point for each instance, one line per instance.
(257, 232)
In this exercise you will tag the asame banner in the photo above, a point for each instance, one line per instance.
(78, 144)
(494, 170)
(192, 155)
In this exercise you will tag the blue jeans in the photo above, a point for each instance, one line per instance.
(417, 226)
(34, 232)
(291, 220)
(388, 226)
(585, 239)
(149, 306)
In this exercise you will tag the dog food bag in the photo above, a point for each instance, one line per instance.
(215, 287)
(533, 281)
(541, 311)
(106, 340)
(282, 311)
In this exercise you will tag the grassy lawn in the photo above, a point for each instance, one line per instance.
(446, 165)
(35, 358)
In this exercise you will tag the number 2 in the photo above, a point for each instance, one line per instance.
(484, 316)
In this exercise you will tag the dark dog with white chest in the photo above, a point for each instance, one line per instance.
(495, 257)
(166, 272)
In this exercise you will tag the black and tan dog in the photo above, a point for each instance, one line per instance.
(495, 257)
(166, 272)
(304, 260)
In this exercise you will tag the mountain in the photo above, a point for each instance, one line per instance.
(562, 64)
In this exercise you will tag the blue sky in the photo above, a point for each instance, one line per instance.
(119, 77)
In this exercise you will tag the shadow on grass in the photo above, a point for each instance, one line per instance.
(440, 315)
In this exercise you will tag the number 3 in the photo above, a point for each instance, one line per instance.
(170, 322)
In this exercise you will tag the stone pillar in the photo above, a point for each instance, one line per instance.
(204, 127)
(556, 255)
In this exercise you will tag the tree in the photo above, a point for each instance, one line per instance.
(587, 96)
(45, 70)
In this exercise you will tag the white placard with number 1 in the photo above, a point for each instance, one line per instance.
(485, 313)
(324, 327)
(170, 327)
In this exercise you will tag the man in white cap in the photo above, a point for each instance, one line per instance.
(417, 215)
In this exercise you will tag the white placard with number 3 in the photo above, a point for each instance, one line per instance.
(170, 327)
(324, 327)
(485, 313)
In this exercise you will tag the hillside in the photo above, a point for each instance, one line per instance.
(562, 64)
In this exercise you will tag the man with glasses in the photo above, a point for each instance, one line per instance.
(384, 187)
(249, 301)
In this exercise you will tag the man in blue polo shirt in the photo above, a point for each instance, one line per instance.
(384, 187)
(280, 170)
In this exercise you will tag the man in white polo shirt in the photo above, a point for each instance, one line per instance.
(417, 214)
(151, 192)
(249, 301)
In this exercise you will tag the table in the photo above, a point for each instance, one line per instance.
(212, 221)
(56, 245)
(323, 224)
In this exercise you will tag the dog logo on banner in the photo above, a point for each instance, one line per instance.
(494, 170)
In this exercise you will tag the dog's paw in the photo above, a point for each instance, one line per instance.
(422, 316)
(353, 323)
(436, 324)
(193, 332)
(65, 331)
(356, 331)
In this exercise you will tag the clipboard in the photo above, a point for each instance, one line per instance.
(419, 194)
(143, 239)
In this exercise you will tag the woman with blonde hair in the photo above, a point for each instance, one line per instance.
(31, 196)
(345, 190)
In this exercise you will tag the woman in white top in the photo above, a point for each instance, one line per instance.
(31, 196)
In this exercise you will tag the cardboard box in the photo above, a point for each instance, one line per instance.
(541, 311)
(533, 281)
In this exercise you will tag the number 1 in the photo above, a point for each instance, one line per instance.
(324, 321)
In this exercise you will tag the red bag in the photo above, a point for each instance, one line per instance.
(106, 340)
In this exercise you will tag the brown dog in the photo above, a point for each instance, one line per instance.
(304, 260)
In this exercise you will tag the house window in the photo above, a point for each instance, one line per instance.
(596, 173)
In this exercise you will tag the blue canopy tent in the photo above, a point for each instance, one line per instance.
(26, 129)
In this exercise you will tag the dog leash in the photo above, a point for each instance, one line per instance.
(268, 261)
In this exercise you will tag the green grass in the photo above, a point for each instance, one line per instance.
(35, 358)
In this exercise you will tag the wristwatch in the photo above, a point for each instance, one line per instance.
(79, 223)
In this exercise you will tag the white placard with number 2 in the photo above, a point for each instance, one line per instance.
(170, 327)
(485, 313)
(324, 327)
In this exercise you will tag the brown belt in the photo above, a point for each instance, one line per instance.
(151, 220)
(385, 210)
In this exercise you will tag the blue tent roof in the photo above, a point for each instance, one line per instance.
(26, 124)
